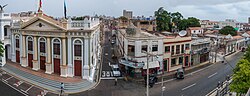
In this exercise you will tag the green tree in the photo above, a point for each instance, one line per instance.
(176, 19)
(228, 30)
(241, 77)
(247, 54)
(190, 22)
(163, 19)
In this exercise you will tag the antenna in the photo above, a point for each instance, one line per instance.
(183, 33)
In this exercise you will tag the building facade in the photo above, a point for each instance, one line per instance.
(68, 48)
(133, 45)
(128, 14)
(176, 52)
(200, 50)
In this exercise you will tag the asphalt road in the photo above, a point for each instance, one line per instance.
(5, 90)
(200, 83)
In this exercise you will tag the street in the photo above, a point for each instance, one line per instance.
(198, 83)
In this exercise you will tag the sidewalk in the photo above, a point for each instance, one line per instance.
(188, 71)
(49, 82)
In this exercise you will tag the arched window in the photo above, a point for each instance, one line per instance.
(77, 48)
(17, 42)
(42, 45)
(56, 47)
(30, 43)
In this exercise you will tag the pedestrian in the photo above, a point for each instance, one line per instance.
(115, 81)
(62, 87)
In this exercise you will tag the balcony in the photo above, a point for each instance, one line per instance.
(131, 63)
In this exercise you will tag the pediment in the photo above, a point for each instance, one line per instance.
(41, 24)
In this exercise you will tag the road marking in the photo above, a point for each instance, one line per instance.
(166, 81)
(8, 78)
(15, 88)
(212, 75)
(188, 87)
(29, 88)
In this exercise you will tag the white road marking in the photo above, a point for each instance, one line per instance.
(212, 75)
(15, 88)
(29, 88)
(188, 86)
(8, 78)
(166, 81)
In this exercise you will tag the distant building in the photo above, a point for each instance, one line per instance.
(146, 24)
(128, 14)
(227, 22)
(195, 30)
(206, 24)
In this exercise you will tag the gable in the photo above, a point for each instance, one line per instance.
(41, 25)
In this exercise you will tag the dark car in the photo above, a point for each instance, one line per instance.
(152, 80)
(180, 73)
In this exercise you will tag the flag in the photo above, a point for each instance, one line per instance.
(40, 6)
(65, 10)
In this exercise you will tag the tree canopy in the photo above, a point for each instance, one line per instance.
(190, 22)
(228, 30)
(166, 21)
(241, 76)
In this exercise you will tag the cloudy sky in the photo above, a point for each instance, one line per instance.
(202, 9)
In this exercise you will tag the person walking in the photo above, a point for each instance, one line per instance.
(62, 88)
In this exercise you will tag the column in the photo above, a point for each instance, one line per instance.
(63, 67)
(48, 52)
(70, 66)
(86, 59)
(24, 57)
(13, 47)
(35, 62)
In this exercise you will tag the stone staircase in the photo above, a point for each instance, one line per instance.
(48, 84)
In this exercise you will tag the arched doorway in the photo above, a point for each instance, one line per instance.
(56, 55)
(30, 51)
(42, 52)
(17, 38)
(77, 57)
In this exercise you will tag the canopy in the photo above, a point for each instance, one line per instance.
(153, 64)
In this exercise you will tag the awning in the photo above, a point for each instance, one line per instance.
(153, 64)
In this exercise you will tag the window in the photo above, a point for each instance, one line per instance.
(42, 47)
(182, 48)
(144, 48)
(17, 43)
(172, 50)
(180, 60)
(167, 49)
(131, 50)
(173, 62)
(177, 49)
(5, 31)
(187, 46)
(155, 48)
(77, 49)
(56, 48)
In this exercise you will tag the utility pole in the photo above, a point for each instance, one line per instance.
(147, 75)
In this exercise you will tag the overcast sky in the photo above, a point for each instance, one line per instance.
(202, 9)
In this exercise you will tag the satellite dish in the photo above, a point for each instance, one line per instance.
(183, 33)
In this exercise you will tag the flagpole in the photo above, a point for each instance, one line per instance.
(65, 10)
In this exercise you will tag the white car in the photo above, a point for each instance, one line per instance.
(115, 70)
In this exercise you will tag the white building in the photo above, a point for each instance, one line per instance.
(68, 47)
(131, 42)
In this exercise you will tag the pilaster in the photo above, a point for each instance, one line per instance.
(13, 54)
(63, 69)
(24, 59)
(35, 62)
(70, 66)
(86, 59)
(48, 63)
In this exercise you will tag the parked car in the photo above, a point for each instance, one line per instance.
(116, 70)
(180, 73)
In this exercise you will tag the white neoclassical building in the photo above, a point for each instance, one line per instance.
(67, 47)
